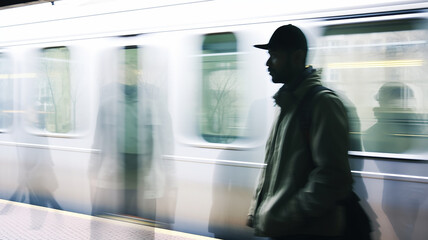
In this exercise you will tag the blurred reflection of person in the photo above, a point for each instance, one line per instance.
(395, 120)
(394, 132)
(128, 176)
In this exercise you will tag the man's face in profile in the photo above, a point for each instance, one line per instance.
(279, 66)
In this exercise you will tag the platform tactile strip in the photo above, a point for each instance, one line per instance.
(20, 221)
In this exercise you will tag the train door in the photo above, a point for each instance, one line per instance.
(133, 133)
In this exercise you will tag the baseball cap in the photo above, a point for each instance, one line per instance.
(286, 37)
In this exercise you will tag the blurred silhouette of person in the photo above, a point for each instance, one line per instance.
(307, 171)
(128, 176)
(37, 179)
(231, 196)
(37, 175)
(394, 132)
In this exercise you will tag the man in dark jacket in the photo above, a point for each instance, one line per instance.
(307, 172)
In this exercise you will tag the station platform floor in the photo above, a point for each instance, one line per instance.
(24, 221)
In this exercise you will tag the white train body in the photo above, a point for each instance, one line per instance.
(189, 51)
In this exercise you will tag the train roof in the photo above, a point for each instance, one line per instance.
(21, 3)
(75, 19)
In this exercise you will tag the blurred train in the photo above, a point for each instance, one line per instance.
(206, 93)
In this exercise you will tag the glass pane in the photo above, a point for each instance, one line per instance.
(130, 94)
(6, 92)
(220, 117)
(130, 65)
(381, 69)
(54, 105)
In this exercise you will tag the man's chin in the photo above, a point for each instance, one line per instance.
(276, 80)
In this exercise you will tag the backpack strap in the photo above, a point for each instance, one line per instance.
(304, 109)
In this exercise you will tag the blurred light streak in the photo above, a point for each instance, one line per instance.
(18, 75)
(13, 111)
(377, 64)
(395, 44)
(402, 177)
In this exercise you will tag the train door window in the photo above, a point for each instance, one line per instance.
(381, 68)
(54, 105)
(6, 92)
(220, 120)
(129, 75)
(130, 65)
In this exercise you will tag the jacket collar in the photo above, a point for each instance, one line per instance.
(289, 94)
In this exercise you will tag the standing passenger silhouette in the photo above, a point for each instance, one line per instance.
(129, 175)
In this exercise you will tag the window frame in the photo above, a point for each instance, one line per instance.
(209, 53)
(75, 132)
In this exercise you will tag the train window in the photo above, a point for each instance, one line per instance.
(6, 92)
(54, 108)
(380, 67)
(219, 117)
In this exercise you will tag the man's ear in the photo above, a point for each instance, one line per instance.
(299, 57)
